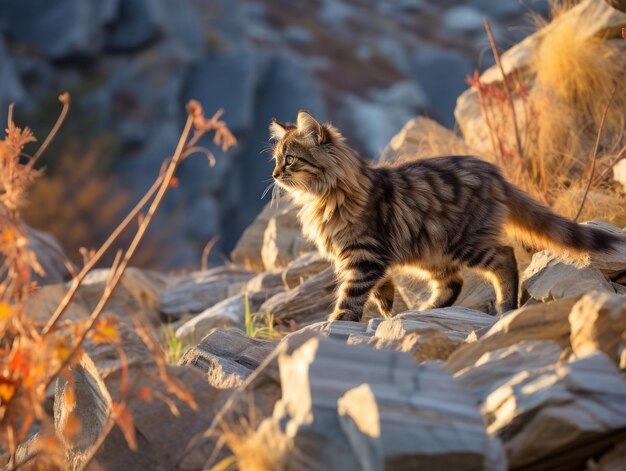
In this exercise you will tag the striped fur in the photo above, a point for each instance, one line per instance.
(436, 215)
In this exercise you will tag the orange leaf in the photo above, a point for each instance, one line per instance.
(5, 311)
(73, 426)
(173, 182)
(105, 331)
(124, 421)
(145, 393)
(7, 390)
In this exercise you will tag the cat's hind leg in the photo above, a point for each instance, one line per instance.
(500, 268)
(383, 296)
(445, 289)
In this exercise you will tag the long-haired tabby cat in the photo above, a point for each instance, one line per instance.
(436, 215)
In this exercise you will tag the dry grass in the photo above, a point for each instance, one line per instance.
(263, 449)
(560, 116)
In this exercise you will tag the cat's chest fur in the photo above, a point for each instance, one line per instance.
(327, 222)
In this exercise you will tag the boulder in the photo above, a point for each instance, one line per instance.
(422, 344)
(50, 257)
(342, 416)
(599, 19)
(228, 313)
(138, 292)
(598, 323)
(554, 418)
(201, 290)
(441, 73)
(615, 458)
(248, 250)
(44, 300)
(457, 323)
(303, 268)
(283, 241)
(476, 294)
(495, 368)
(91, 407)
(549, 277)
(136, 24)
(306, 304)
(536, 322)
(422, 137)
(62, 29)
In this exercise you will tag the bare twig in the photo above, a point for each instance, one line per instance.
(117, 276)
(204, 263)
(65, 99)
(600, 178)
(594, 156)
(507, 89)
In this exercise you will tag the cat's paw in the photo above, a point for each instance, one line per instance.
(344, 315)
(426, 307)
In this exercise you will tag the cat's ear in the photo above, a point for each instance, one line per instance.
(277, 130)
(308, 126)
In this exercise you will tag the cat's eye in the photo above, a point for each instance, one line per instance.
(290, 159)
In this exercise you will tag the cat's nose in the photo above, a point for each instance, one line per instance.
(276, 173)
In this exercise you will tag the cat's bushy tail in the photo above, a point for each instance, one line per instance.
(539, 227)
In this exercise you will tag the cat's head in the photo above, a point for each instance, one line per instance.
(310, 156)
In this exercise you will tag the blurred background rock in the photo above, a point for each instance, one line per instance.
(130, 66)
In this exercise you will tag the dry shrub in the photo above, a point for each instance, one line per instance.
(560, 112)
(263, 449)
(574, 79)
(33, 357)
(602, 204)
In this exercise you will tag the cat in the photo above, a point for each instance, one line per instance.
(435, 215)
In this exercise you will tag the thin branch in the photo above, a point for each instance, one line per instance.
(620, 155)
(110, 287)
(76, 282)
(594, 156)
(65, 99)
(507, 89)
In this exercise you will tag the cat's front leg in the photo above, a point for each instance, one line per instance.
(355, 290)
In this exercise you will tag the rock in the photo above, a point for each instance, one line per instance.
(612, 264)
(599, 18)
(422, 137)
(548, 278)
(248, 249)
(554, 418)
(463, 20)
(393, 410)
(303, 268)
(201, 290)
(50, 256)
(283, 241)
(380, 116)
(457, 323)
(228, 357)
(619, 173)
(310, 302)
(225, 314)
(536, 322)
(234, 76)
(138, 291)
(60, 29)
(160, 447)
(441, 73)
(598, 323)
(43, 301)
(476, 294)
(137, 23)
(91, 406)
(11, 89)
(422, 344)
(494, 368)
(614, 459)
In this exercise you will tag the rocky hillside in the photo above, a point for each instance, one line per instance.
(130, 65)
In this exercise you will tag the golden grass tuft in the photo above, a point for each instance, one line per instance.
(574, 79)
(264, 449)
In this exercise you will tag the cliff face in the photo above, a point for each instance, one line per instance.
(131, 65)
